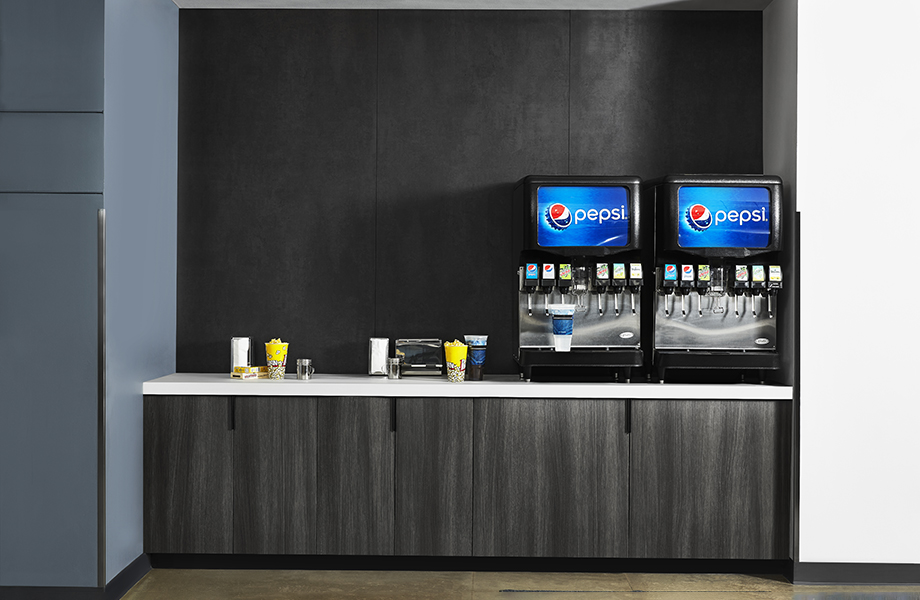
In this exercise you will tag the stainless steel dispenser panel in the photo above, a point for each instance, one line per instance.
(715, 329)
(590, 329)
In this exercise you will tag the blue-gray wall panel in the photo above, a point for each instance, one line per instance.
(51, 55)
(141, 111)
(51, 152)
(48, 408)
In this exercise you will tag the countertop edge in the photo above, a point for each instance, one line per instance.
(501, 386)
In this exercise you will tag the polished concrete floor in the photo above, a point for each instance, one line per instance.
(187, 584)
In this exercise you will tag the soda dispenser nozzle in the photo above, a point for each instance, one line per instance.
(547, 283)
(635, 283)
(667, 285)
(529, 282)
(601, 281)
(740, 284)
(703, 278)
(564, 281)
(686, 285)
(774, 284)
(617, 284)
(758, 286)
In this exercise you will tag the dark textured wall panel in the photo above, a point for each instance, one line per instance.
(666, 92)
(51, 152)
(276, 185)
(384, 167)
(51, 55)
(469, 103)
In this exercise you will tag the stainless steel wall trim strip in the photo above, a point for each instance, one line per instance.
(100, 416)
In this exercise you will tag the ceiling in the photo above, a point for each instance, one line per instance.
(486, 4)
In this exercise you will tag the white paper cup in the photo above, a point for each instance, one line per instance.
(563, 342)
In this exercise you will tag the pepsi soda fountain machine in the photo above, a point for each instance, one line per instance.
(577, 242)
(718, 272)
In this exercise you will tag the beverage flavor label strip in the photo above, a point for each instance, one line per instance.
(776, 273)
(619, 271)
(703, 273)
(741, 272)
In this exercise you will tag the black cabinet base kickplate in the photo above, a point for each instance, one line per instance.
(471, 563)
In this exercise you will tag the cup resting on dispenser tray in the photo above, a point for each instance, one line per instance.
(563, 315)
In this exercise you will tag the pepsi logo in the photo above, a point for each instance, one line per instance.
(699, 217)
(558, 216)
(532, 269)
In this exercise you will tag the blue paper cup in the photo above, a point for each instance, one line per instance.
(563, 321)
(476, 357)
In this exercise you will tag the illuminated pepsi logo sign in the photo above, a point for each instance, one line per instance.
(582, 216)
(723, 217)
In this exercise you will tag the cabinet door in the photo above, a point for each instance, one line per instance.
(434, 476)
(274, 475)
(49, 397)
(710, 479)
(355, 476)
(188, 490)
(551, 478)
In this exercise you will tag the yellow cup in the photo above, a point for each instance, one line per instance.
(276, 357)
(455, 356)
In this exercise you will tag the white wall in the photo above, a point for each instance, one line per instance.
(858, 152)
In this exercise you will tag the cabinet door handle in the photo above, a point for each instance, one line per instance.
(231, 413)
(393, 414)
(628, 416)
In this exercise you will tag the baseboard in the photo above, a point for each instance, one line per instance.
(856, 573)
(115, 589)
(31, 592)
(469, 563)
(129, 576)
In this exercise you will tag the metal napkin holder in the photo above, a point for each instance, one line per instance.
(420, 356)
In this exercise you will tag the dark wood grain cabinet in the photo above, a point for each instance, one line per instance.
(188, 480)
(464, 476)
(710, 479)
(274, 475)
(551, 478)
(355, 463)
(434, 476)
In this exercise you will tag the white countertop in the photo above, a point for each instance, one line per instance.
(493, 386)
